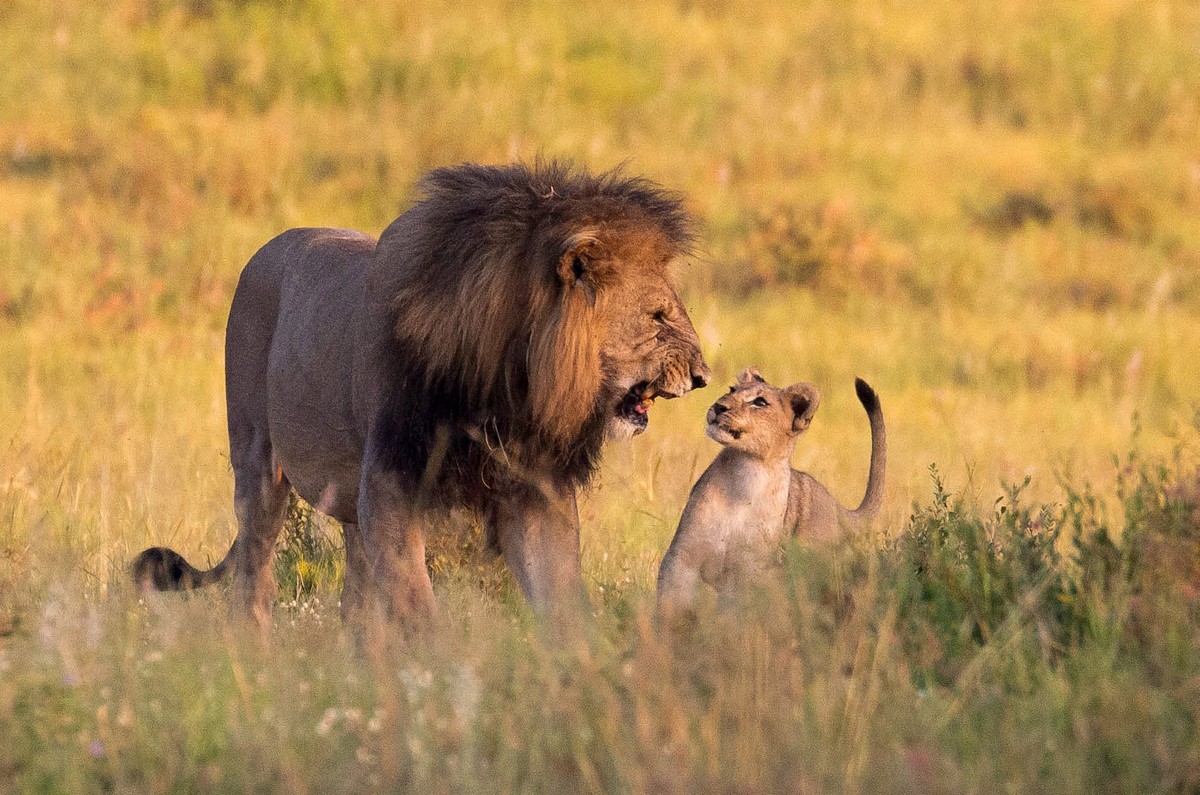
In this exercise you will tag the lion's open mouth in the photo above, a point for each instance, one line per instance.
(634, 408)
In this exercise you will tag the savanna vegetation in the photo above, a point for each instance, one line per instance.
(990, 211)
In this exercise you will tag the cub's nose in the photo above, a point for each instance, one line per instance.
(717, 409)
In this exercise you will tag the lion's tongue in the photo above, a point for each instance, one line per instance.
(646, 402)
(637, 403)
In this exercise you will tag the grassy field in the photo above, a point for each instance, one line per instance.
(990, 211)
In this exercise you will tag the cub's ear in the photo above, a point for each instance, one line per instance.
(804, 399)
(749, 376)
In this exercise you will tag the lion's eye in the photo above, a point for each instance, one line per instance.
(761, 402)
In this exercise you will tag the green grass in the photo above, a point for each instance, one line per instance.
(986, 210)
(1019, 644)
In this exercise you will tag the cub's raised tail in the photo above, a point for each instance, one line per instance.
(873, 498)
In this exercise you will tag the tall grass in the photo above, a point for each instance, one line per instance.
(1051, 647)
(987, 210)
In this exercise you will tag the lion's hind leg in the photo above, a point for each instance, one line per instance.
(261, 489)
(260, 500)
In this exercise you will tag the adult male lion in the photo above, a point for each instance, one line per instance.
(477, 355)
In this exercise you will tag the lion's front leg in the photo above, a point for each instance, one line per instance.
(358, 573)
(538, 531)
(394, 548)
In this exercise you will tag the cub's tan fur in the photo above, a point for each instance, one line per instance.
(750, 499)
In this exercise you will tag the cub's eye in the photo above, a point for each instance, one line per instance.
(761, 402)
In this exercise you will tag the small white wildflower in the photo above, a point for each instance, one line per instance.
(415, 682)
(328, 719)
(464, 693)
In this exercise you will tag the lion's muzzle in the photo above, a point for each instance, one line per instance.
(683, 378)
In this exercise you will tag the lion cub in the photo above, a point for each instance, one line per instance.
(750, 499)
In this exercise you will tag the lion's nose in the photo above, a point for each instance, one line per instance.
(701, 375)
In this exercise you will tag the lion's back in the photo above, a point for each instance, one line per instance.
(303, 286)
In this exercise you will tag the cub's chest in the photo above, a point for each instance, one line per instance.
(745, 502)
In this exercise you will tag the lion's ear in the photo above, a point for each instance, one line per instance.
(575, 271)
(749, 376)
(577, 264)
(804, 399)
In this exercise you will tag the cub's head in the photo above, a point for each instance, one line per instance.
(759, 418)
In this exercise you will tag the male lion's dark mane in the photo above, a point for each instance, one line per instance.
(472, 269)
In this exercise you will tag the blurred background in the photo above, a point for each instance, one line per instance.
(988, 210)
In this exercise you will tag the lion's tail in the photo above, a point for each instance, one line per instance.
(873, 499)
(162, 569)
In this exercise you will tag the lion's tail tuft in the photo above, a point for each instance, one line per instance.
(162, 569)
